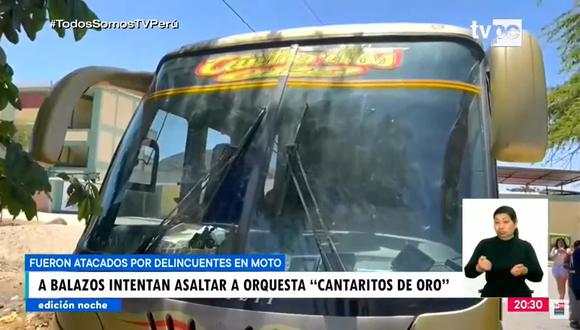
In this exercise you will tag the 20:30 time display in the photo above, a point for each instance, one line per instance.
(528, 304)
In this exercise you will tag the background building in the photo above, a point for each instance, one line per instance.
(95, 129)
(564, 204)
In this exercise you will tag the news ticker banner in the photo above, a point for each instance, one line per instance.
(153, 263)
(61, 276)
(97, 283)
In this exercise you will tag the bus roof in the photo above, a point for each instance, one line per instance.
(330, 31)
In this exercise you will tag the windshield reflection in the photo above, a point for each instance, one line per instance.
(355, 176)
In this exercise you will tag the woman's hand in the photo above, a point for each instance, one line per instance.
(519, 270)
(483, 265)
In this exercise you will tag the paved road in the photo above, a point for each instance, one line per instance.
(534, 321)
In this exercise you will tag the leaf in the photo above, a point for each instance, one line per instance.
(16, 18)
(14, 96)
(90, 15)
(82, 12)
(564, 119)
(94, 190)
(76, 192)
(9, 30)
(14, 208)
(29, 206)
(75, 183)
(11, 35)
(23, 171)
(7, 196)
(59, 31)
(29, 26)
(98, 210)
(79, 33)
(3, 99)
(86, 196)
(34, 177)
(83, 210)
(58, 9)
(70, 190)
(7, 130)
(90, 206)
(78, 12)
(564, 31)
(25, 3)
(39, 17)
(77, 196)
(4, 7)
(63, 176)
(2, 57)
(6, 73)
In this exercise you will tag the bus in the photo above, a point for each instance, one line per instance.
(344, 148)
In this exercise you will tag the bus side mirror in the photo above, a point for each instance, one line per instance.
(519, 106)
(56, 111)
(144, 175)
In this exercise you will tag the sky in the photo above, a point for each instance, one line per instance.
(49, 57)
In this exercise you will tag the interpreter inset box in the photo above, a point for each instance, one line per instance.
(505, 247)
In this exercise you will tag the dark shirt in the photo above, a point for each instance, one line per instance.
(503, 255)
(566, 264)
(573, 263)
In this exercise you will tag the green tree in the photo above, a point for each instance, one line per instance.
(564, 100)
(23, 135)
(20, 176)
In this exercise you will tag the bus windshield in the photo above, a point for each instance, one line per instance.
(341, 156)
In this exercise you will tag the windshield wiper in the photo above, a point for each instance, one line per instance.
(322, 236)
(166, 223)
(454, 264)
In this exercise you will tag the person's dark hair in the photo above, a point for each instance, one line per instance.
(511, 213)
(562, 240)
(576, 244)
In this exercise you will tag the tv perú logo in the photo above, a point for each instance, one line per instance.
(506, 32)
(559, 308)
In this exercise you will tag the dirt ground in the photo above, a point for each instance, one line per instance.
(20, 237)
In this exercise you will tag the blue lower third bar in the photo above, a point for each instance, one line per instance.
(73, 305)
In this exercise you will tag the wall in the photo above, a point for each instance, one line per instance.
(564, 212)
(98, 123)
(565, 218)
(112, 111)
(31, 99)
